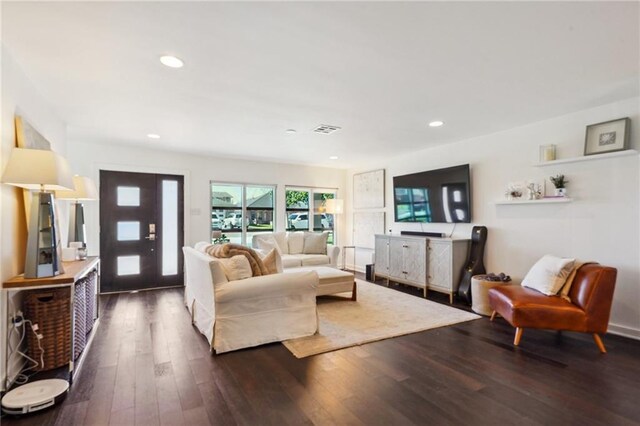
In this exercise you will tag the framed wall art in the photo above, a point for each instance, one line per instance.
(368, 190)
(365, 227)
(609, 136)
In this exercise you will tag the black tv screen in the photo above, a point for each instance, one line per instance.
(434, 196)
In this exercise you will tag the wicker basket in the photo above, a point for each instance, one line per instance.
(50, 309)
(91, 284)
(79, 318)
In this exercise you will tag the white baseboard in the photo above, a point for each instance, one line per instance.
(356, 268)
(620, 330)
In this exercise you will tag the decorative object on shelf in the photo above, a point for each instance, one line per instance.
(560, 183)
(81, 250)
(217, 237)
(513, 192)
(609, 136)
(84, 189)
(37, 169)
(547, 153)
(535, 191)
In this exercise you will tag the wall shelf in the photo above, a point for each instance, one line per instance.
(541, 201)
(624, 153)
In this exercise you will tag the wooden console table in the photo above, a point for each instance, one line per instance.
(74, 271)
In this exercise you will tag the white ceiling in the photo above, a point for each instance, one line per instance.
(381, 71)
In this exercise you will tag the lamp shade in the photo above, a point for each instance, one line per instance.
(334, 206)
(85, 189)
(37, 169)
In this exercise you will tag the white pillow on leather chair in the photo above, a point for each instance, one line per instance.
(549, 274)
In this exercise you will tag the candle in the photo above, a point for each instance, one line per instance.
(547, 153)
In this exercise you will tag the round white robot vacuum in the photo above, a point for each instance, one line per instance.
(34, 396)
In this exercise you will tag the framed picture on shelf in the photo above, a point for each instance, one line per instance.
(609, 136)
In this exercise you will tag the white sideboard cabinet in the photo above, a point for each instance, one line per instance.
(423, 262)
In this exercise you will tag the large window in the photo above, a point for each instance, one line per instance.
(306, 210)
(242, 210)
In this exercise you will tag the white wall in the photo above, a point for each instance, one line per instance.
(19, 97)
(601, 224)
(88, 158)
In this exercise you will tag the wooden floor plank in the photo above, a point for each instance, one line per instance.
(148, 365)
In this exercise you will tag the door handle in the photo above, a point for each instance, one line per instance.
(151, 237)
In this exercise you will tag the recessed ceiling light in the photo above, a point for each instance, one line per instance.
(171, 61)
(436, 123)
(291, 131)
(153, 136)
(333, 157)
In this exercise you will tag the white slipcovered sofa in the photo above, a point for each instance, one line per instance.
(248, 312)
(298, 248)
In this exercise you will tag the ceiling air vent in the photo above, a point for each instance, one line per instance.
(326, 129)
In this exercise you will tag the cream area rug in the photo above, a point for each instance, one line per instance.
(380, 313)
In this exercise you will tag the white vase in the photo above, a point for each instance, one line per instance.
(561, 192)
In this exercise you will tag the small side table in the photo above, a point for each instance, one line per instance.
(73, 272)
(480, 294)
(344, 256)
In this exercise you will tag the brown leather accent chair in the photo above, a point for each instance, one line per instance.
(591, 295)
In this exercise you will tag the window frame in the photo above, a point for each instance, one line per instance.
(243, 230)
(311, 210)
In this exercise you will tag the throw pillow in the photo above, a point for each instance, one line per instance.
(273, 262)
(267, 242)
(315, 243)
(281, 240)
(236, 267)
(548, 275)
(296, 242)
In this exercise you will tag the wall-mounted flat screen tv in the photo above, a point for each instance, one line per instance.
(434, 196)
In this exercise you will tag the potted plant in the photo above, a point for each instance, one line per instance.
(560, 182)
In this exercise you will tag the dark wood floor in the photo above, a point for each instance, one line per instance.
(148, 366)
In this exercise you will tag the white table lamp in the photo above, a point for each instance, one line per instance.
(42, 170)
(84, 189)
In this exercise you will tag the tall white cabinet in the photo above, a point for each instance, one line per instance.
(424, 262)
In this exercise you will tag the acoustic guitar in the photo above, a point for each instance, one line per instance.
(475, 263)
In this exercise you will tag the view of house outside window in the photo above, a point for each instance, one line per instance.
(242, 210)
(303, 215)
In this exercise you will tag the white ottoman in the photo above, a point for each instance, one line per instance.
(331, 280)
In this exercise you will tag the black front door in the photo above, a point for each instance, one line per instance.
(141, 230)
